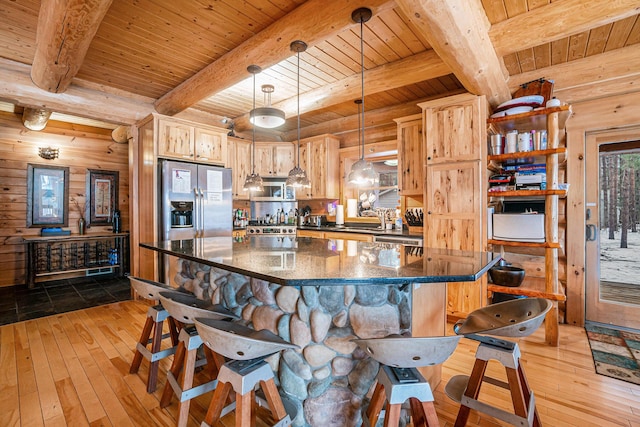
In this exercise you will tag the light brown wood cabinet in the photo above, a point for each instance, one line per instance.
(178, 139)
(410, 156)
(455, 187)
(275, 159)
(319, 158)
(239, 160)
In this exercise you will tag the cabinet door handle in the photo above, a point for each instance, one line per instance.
(591, 232)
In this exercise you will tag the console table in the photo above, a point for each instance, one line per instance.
(50, 255)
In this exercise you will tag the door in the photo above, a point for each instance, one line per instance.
(613, 238)
(215, 205)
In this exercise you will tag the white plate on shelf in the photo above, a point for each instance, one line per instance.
(517, 110)
(523, 101)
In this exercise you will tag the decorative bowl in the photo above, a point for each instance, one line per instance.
(507, 276)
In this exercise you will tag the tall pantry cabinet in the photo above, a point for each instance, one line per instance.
(455, 187)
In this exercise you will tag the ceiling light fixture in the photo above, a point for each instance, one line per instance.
(267, 116)
(297, 176)
(362, 172)
(253, 182)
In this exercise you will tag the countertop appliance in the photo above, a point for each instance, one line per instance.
(271, 229)
(274, 190)
(195, 202)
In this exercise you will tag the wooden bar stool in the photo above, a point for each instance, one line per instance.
(516, 318)
(184, 309)
(398, 379)
(247, 348)
(152, 331)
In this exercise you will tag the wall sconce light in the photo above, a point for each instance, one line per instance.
(48, 153)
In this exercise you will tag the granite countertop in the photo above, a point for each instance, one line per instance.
(361, 230)
(304, 261)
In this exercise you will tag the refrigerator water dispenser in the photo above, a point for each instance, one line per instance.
(181, 214)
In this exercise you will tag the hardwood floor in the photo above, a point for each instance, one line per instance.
(73, 369)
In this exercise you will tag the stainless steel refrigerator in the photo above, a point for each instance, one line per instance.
(195, 202)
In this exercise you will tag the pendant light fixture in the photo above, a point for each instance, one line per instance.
(267, 116)
(253, 182)
(362, 172)
(297, 176)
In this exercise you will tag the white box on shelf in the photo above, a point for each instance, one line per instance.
(519, 227)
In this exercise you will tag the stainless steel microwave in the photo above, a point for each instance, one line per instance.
(274, 190)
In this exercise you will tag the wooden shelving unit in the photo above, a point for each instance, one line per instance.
(553, 121)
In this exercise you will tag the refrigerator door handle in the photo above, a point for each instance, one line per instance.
(201, 212)
(196, 208)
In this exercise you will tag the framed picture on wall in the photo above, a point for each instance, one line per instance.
(102, 190)
(47, 196)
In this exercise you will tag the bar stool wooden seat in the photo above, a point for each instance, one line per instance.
(516, 318)
(152, 332)
(398, 379)
(247, 348)
(184, 309)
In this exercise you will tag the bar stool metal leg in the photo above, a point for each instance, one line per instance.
(154, 323)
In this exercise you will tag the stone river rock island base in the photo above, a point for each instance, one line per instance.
(329, 376)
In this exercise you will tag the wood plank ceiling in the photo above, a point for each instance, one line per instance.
(188, 57)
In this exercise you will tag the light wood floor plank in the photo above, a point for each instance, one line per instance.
(86, 395)
(49, 402)
(88, 354)
(9, 409)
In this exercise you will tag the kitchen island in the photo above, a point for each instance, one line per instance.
(320, 294)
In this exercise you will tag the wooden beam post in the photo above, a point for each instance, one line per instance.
(458, 32)
(65, 31)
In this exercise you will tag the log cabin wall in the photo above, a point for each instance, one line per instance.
(81, 148)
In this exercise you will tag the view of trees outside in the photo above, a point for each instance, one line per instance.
(620, 216)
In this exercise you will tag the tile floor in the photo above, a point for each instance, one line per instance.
(20, 303)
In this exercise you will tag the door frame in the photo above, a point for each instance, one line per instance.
(596, 310)
(604, 111)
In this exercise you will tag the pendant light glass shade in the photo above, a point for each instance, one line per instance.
(362, 172)
(253, 181)
(267, 116)
(297, 176)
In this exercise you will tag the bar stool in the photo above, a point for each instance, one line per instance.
(398, 379)
(247, 348)
(516, 318)
(184, 309)
(152, 331)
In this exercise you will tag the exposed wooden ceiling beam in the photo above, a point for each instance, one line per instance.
(372, 118)
(313, 22)
(555, 21)
(64, 34)
(417, 68)
(81, 99)
(614, 64)
(595, 90)
(458, 32)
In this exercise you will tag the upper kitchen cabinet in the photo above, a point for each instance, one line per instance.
(239, 160)
(455, 186)
(275, 159)
(320, 159)
(179, 139)
(410, 156)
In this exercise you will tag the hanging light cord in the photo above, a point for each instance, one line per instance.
(253, 140)
(362, 78)
(298, 108)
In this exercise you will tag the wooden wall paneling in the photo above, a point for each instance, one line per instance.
(82, 149)
(145, 229)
